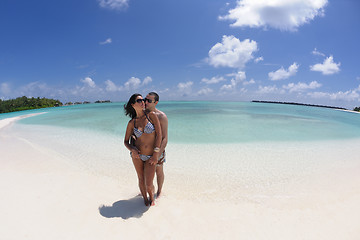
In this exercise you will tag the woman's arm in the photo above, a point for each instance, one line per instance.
(129, 130)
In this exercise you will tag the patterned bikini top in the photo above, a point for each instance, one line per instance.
(149, 128)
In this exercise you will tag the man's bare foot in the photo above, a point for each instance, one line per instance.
(158, 194)
(152, 203)
(147, 203)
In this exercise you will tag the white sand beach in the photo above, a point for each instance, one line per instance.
(89, 190)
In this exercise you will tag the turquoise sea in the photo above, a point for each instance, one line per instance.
(211, 122)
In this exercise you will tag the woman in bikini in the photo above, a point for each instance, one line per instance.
(146, 148)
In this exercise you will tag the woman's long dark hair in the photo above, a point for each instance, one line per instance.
(129, 110)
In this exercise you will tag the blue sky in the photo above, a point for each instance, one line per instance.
(280, 50)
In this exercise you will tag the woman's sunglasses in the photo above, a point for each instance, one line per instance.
(139, 100)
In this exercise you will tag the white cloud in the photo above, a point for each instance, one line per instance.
(243, 90)
(107, 41)
(316, 52)
(351, 95)
(239, 76)
(299, 87)
(232, 52)
(282, 73)
(213, 80)
(185, 88)
(328, 67)
(89, 82)
(132, 83)
(166, 90)
(185, 85)
(259, 59)
(147, 80)
(86, 89)
(110, 86)
(85, 92)
(279, 14)
(269, 89)
(32, 89)
(229, 87)
(205, 91)
(35, 89)
(252, 81)
(114, 4)
(5, 88)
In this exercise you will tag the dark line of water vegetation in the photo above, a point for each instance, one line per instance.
(304, 104)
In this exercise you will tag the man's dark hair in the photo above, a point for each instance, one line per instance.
(156, 96)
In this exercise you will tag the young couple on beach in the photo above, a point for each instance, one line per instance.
(146, 139)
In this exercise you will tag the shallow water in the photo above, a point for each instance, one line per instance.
(213, 122)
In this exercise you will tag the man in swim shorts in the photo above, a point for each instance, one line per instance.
(151, 100)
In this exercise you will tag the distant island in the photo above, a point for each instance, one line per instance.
(302, 104)
(24, 103)
(87, 102)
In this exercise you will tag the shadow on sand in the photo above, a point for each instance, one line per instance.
(133, 207)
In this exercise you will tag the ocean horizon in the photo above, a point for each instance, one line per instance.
(210, 122)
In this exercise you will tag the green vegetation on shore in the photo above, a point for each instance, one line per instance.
(357, 109)
(24, 103)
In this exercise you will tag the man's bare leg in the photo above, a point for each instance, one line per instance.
(149, 173)
(159, 178)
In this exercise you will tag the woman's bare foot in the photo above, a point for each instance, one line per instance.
(152, 200)
(146, 201)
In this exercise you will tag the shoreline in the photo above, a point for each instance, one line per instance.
(346, 110)
(8, 121)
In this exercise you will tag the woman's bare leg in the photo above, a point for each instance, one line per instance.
(149, 178)
(139, 167)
